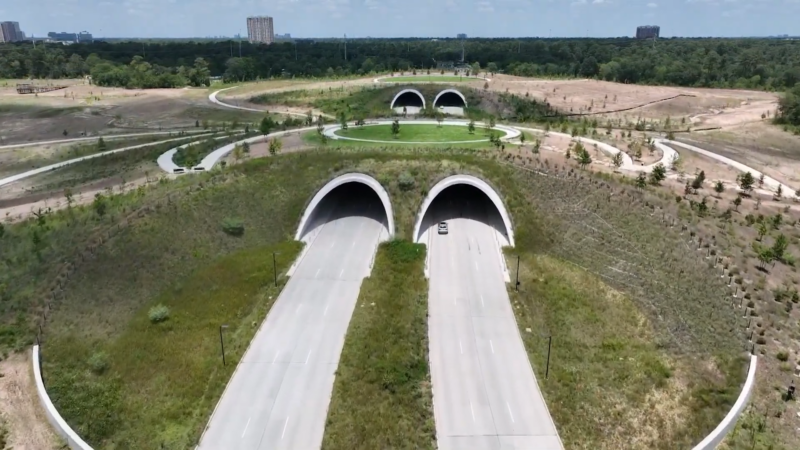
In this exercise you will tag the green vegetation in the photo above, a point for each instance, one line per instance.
(191, 155)
(166, 375)
(312, 138)
(177, 255)
(789, 109)
(431, 78)
(382, 394)
(413, 133)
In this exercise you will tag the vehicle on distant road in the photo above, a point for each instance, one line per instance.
(442, 227)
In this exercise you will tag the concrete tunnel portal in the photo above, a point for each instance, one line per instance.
(349, 195)
(450, 98)
(408, 98)
(464, 197)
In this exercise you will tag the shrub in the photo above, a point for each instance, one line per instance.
(98, 363)
(405, 181)
(783, 356)
(158, 313)
(761, 340)
(750, 304)
(233, 227)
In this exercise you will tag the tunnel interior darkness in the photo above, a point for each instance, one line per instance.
(408, 99)
(450, 99)
(462, 201)
(351, 199)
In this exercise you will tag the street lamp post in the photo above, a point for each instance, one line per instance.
(221, 343)
(275, 268)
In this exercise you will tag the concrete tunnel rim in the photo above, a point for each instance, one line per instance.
(352, 177)
(452, 91)
(405, 91)
(470, 180)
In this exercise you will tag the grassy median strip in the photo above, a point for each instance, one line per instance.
(382, 395)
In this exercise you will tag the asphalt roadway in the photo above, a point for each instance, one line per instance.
(485, 394)
(279, 395)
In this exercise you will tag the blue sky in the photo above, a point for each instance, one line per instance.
(398, 18)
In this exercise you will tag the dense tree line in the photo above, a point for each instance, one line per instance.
(770, 64)
(789, 108)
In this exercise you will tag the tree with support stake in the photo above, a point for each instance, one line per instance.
(222, 343)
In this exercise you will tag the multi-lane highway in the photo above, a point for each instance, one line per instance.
(484, 391)
(279, 396)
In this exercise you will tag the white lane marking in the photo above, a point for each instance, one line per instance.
(326, 309)
(308, 356)
(332, 244)
(353, 244)
(298, 308)
(245, 427)
(461, 347)
(284, 427)
(472, 411)
(476, 265)
(491, 345)
(455, 300)
(509, 412)
(340, 273)
(317, 274)
(482, 305)
(276, 357)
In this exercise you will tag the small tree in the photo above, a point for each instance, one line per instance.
(719, 188)
(761, 180)
(275, 146)
(522, 138)
(536, 145)
(309, 118)
(762, 230)
(246, 148)
(320, 126)
(658, 174)
(616, 160)
(395, 128)
(746, 181)
(69, 196)
(205, 124)
(764, 255)
(65, 133)
(697, 183)
(266, 126)
(471, 127)
(439, 118)
(641, 180)
(779, 192)
(737, 202)
(779, 247)
(492, 122)
(343, 120)
(675, 163)
(101, 144)
(582, 155)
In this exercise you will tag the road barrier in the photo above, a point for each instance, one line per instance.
(59, 424)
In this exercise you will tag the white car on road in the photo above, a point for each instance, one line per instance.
(442, 227)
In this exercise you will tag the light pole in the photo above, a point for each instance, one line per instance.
(221, 343)
(275, 268)
(549, 343)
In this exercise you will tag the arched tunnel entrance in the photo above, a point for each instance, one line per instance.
(451, 101)
(411, 99)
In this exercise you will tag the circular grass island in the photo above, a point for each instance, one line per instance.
(416, 134)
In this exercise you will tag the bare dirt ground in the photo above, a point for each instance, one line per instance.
(603, 96)
(24, 418)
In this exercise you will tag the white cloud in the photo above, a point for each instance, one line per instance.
(652, 5)
(485, 6)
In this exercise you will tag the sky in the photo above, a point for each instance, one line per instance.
(407, 18)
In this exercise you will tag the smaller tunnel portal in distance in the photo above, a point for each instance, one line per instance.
(350, 200)
(449, 98)
(462, 202)
(408, 98)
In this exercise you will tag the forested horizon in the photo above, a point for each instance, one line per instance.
(766, 64)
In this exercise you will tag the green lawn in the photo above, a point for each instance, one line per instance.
(382, 395)
(415, 133)
(428, 79)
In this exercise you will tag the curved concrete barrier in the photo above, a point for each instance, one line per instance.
(59, 424)
(33, 172)
(166, 163)
(472, 181)
(343, 179)
(713, 440)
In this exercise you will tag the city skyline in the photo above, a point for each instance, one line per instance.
(410, 18)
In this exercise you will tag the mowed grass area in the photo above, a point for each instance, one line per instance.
(382, 394)
(312, 138)
(429, 79)
(143, 375)
(416, 133)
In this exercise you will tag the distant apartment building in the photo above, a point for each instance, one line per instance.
(647, 31)
(283, 37)
(461, 36)
(10, 32)
(259, 29)
(83, 36)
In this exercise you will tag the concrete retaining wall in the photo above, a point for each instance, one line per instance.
(713, 440)
(59, 424)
